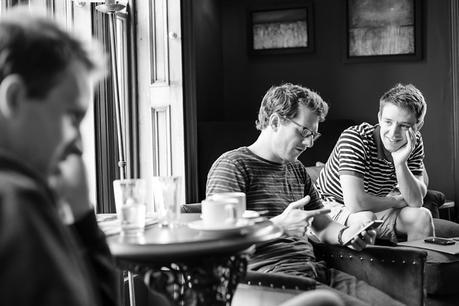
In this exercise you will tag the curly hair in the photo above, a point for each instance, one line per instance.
(285, 99)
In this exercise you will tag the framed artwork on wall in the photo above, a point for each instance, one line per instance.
(383, 30)
(281, 29)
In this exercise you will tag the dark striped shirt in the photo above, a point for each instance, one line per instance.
(360, 152)
(270, 186)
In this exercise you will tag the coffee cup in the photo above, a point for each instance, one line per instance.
(239, 197)
(219, 213)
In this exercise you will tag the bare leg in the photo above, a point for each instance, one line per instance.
(319, 297)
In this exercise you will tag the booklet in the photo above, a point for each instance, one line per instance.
(449, 249)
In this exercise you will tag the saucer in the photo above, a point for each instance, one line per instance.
(200, 226)
(250, 214)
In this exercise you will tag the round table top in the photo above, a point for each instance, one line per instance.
(182, 242)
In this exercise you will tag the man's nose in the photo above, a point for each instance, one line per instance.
(394, 130)
(308, 142)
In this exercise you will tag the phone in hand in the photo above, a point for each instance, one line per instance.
(369, 226)
(439, 241)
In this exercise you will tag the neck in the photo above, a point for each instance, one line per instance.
(263, 147)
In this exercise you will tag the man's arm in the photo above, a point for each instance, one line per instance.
(356, 199)
(71, 186)
(328, 231)
(412, 188)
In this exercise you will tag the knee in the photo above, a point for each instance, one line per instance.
(420, 216)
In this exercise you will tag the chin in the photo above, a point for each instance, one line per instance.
(392, 147)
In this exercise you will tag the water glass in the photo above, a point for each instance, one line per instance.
(166, 191)
(130, 205)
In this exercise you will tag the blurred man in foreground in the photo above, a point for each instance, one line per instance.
(50, 255)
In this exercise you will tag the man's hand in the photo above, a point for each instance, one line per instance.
(401, 155)
(71, 185)
(362, 240)
(295, 220)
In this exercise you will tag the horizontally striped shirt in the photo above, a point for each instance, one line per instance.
(270, 186)
(360, 152)
(267, 185)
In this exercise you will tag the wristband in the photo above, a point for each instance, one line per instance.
(340, 234)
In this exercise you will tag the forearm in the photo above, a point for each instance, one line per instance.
(330, 233)
(412, 189)
(366, 201)
(94, 248)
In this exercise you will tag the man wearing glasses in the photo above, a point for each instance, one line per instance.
(369, 161)
(273, 179)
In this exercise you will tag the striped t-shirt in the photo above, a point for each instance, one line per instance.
(360, 152)
(270, 186)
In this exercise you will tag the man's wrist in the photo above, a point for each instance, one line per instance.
(340, 235)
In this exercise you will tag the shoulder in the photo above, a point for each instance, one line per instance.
(363, 130)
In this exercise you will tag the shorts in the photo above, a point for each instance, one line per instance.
(385, 231)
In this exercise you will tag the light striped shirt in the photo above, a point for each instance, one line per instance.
(360, 152)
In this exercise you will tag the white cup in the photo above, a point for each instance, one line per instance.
(238, 196)
(130, 205)
(219, 213)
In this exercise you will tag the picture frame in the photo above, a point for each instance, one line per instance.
(281, 29)
(381, 30)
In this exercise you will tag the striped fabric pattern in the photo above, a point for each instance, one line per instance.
(270, 186)
(359, 152)
(267, 185)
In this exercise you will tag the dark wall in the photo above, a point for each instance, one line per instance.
(352, 89)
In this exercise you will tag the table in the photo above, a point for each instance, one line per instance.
(191, 267)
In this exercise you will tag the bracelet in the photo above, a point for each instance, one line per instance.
(340, 234)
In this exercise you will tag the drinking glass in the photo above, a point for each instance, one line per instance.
(130, 205)
(166, 199)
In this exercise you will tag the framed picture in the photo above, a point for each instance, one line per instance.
(280, 29)
(383, 29)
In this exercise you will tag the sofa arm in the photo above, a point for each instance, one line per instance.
(279, 280)
(397, 271)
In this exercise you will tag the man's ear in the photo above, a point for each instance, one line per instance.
(12, 92)
(379, 116)
(274, 121)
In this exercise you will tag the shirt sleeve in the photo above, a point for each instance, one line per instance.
(351, 153)
(226, 175)
(315, 202)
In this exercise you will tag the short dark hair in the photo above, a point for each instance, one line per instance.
(285, 99)
(407, 97)
(38, 50)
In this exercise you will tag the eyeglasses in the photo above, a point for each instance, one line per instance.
(305, 132)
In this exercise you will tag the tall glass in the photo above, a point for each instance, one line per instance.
(166, 190)
(130, 205)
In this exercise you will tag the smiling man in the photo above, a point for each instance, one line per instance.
(273, 179)
(369, 161)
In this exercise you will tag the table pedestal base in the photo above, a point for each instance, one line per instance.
(204, 281)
